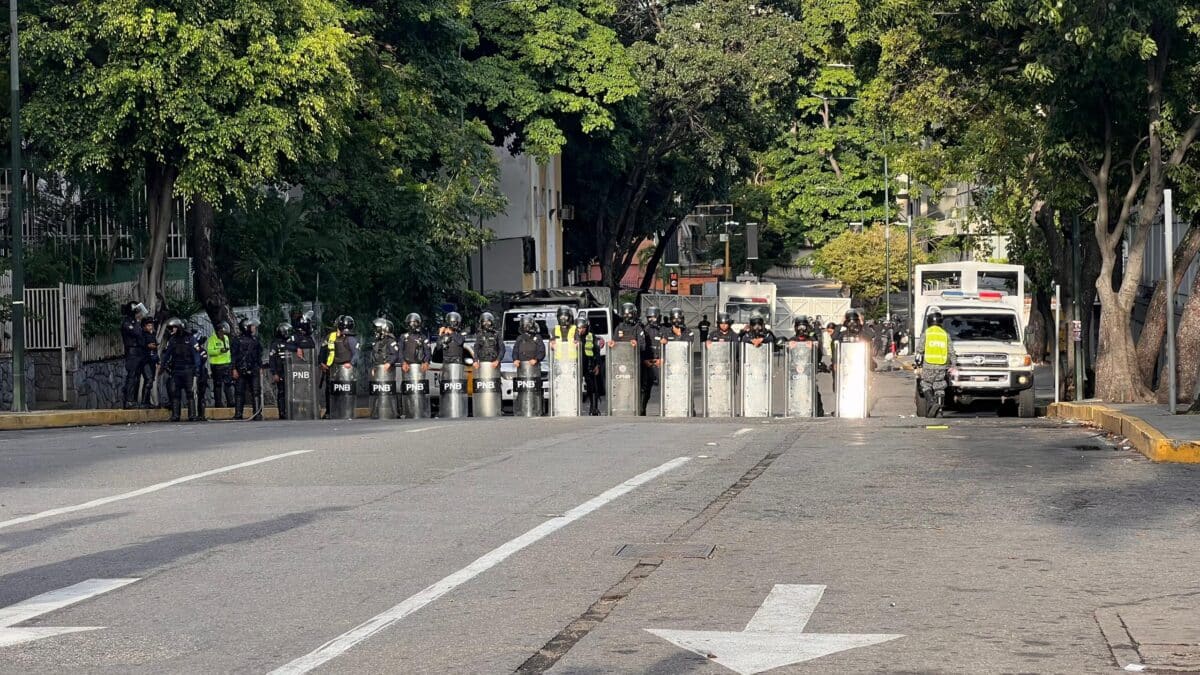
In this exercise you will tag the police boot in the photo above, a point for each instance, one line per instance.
(191, 410)
(175, 406)
(200, 417)
(238, 405)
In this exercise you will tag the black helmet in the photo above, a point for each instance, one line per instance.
(246, 326)
(305, 323)
(487, 321)
(565, 316)
(653, 315)
(382, 327)
(676, 316)
(581, 323)
(413, 321)
(284, 330)
(454, 320)
(758, 318)
(801, 323)
(933, 317)
(629, 312)
(528, 325)
(724, 317)
(345, 322)
(174, 324)
(854, 316)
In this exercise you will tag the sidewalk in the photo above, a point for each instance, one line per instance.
(1150, 428)
(56, 419)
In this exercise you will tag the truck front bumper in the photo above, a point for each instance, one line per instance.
(981, 383)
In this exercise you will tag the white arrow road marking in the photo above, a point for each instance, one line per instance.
(48, 602)
(143, 491)
(774, 637)
(346, 641)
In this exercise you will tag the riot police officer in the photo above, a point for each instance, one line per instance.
(488, 348)
(529, 345)
(851, 331)
(651, 353)
(277, 353)
(724, 332)
(592, 360)
(756, 332)
(450, 343)
(385, 354)
(934, 357)
(677, 331)
(629, 330)
(414, 347)
(705, 326)
(341, 351)
(565, 328)
(135, 351)
(805, 333)
(199, 342)
(385, 350)
(179, 360)
(151, 366)
(247, 364)
(302, 338)
(220, 359)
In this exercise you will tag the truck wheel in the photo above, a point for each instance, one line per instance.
(922, 404)
(1026, 405)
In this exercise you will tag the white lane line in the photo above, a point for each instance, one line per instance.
(739, 432)
(53, 600)
(346, 641)
(144, 491)
(418, 429)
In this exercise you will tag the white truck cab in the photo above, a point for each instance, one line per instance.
(983, 311)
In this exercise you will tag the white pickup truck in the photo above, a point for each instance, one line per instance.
(983, 310)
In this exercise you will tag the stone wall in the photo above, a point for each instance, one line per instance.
(48, 364)
(98, 384)
(6, 380)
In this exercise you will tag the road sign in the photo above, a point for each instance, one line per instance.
(48, 602)
(1077, 331)
(774, 637)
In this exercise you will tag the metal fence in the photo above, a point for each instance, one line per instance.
(787, 309)
(694, 306)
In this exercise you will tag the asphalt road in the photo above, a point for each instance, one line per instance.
(490, 546)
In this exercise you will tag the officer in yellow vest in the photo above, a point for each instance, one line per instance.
(592, 363)
(564, 334)
(220, 359)
(935, 356)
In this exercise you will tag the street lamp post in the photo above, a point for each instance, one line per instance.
(16, 218)
(887, 239)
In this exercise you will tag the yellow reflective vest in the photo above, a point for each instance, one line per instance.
(568, 341)
(219, 353)
(937, 346)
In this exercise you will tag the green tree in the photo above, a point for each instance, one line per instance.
(857, 260)
(201, 100)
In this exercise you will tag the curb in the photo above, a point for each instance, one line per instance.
(95, 418)
(1142, 435)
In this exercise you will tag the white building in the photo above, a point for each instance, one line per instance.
(526, 252)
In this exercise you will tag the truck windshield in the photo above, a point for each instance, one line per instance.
(741, 311)
(512, 323)
(977, 327)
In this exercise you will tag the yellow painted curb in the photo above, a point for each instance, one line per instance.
(60, 419)
(1142, 435)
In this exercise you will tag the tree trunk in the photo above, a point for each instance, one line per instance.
(1036, 339)
(1187, 342)
(209, 288)
(656, 258)
(1155, 327)
(160, 193)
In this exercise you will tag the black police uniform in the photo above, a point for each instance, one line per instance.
(724, 336)
(247, 361)
(179, 359)
(199, 347)
(451, 347)
(414, 348)
(149, 362)
(277, 353)
(593, 369)
(487, 345)
(813, 337)
(651, 350)
(529, 346)
(705, 327)
(135, 354)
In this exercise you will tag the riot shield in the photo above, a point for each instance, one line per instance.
(624, 380)
(801, 384)
(719, 381)
(853, 380)
(301, 387)
(414, 392)
(487, 397)
(566, 398)
(343, 398)
(675, 383)
(527, 386)
(384, 403)
(452, 401)
(755, 380)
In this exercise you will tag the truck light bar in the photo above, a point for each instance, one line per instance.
(981, 295)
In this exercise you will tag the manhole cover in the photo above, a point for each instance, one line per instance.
(665, 551)
(1160, 634)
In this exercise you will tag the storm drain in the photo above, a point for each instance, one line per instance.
(665, 551)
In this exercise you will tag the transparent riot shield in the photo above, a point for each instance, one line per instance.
(801, 382)
(343, 398)
(452, 399)
(755, 380)
(566, 399)
(384, 402)
(300, 387)
(414, 391)
(675, 383)
(853, 380)
(487, 397)
(527, 386)
(719, 368)
(624, 379)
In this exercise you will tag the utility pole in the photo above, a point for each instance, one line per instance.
(887, 234)
(1169, 248)
(16, 218)
(1076, 282)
